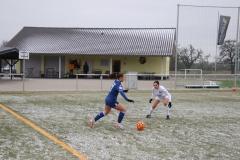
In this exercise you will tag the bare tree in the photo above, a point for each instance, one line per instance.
(4, 43)
(203, 63)
(189, 55)
(227, 53)
(206, 58)
(2, 62)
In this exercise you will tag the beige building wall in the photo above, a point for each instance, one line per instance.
(159, 65)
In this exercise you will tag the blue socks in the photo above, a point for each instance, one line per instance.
(100, 115)
(120, 117)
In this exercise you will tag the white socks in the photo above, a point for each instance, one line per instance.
(150, 111)
(167, 110)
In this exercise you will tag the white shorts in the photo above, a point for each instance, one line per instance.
(160, 98)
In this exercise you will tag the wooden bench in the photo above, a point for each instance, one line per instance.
(97, 71)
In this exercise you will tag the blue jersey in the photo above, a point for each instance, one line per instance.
(111, 99)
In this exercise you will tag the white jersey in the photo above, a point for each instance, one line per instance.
(161, 93)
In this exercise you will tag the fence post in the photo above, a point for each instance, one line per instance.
(235, 81)
(170, 81)
(76, 82)
(203, 81)
(101, 81)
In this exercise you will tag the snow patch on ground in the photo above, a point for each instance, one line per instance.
(203, 125)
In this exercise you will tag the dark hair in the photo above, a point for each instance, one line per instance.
(156, 82)
(115, 75)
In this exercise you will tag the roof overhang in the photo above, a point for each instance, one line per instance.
(96, 41)
(9, 53)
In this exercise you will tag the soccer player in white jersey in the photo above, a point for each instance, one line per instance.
(161, 95)
(111, 100)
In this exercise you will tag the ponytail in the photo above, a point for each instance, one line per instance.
(115, 75)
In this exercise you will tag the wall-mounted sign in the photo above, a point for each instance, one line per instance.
(142, 60)
(23, 55)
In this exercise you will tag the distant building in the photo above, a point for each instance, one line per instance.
(65, 50)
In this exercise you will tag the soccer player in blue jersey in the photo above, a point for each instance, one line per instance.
(111, 100)
(161, 95)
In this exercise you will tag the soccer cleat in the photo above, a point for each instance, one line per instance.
(118, 125)
(168, 117)
(148, 116)
(91, 123)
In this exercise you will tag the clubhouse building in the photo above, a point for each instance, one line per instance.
(57, 52)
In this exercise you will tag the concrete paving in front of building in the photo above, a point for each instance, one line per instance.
(72, 84)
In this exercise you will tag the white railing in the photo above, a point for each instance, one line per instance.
(100, 82)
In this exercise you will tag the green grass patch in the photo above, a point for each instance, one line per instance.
(226, 83)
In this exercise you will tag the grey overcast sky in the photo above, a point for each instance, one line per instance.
(16, 14)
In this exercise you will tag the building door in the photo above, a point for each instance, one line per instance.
(116, 66)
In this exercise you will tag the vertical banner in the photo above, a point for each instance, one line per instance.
(222, 30)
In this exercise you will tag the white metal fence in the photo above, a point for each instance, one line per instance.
(100, 82)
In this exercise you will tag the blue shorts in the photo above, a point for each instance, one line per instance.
(111, 102)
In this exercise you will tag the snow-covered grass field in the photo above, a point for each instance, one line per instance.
(204, 124)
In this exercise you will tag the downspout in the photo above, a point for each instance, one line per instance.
(162, 70)
(59, 66)
(110, 65)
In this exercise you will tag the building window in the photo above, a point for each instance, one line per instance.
(104, 63)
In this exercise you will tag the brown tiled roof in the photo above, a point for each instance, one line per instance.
(96, 41)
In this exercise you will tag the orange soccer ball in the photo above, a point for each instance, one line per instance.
(234, 89)
(140, 125)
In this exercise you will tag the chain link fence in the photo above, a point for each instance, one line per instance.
(198, 26)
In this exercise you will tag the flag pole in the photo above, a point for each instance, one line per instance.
(216, 45)
(176, 46)
(236, 51)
